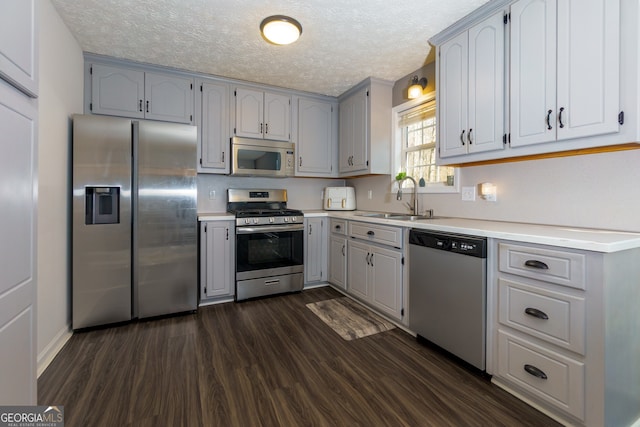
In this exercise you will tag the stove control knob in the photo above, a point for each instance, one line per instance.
(246, 221)
(255, 220)
(272, 220)
(293, 219)
(286, 219)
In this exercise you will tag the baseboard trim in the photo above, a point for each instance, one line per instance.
(47, 355)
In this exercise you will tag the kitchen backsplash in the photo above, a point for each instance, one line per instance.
(303, 193)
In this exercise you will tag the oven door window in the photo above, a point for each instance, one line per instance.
(263, 250)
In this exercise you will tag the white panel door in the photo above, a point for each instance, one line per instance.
(486, 85)
(386, 280)
(214, 128)
(453, 96)
(277, 116)
(588, 89)
(249, 113)
(360, 123)
(338, 261)
(217, 262)
(358, 269)
(315, 146)
(19, 44)
(117, 91)
(168, 98)
(533, 72)
(314, 262)
(18, 127)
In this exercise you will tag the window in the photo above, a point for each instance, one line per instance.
(415, 147)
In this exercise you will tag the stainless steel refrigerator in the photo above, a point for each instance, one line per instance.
(134, 240)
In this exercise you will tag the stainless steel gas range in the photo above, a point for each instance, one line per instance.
(269, 243)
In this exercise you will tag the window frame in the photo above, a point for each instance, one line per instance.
(396, 146)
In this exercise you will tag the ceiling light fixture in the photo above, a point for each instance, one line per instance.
(416, 86)
(280, 29)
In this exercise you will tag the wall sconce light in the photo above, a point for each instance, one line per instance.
(280, 29)
(488, 192)
(416, 86)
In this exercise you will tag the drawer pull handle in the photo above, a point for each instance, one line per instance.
(536, 372)
(536, 264)
(370, 233)
(338, 227)
(536, 313)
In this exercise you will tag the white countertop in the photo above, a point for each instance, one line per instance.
(216, 216)
(567, 237)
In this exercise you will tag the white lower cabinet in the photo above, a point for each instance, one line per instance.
(375, 271)
(315, 250)
(563, 331)
(217, 259)
(338, 253)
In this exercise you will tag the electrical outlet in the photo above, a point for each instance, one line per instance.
(468, 194)
(370, 194)
(212, 194)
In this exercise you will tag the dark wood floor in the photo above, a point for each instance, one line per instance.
(268, 362)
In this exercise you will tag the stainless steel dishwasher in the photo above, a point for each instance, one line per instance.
(447, 292)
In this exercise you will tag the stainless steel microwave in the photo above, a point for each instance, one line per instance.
(261, 157)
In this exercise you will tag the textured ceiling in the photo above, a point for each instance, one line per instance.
(342, 42)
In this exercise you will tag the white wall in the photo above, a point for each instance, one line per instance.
(61, 85)
(303, 193)
(593, 191)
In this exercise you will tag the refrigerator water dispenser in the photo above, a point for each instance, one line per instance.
(102, 205)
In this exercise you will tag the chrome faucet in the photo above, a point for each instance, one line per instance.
(414, 208)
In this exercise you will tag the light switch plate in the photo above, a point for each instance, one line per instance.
(468, 194)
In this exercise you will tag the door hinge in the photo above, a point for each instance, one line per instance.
(621, 117)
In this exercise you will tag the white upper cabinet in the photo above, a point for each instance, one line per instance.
(128, 92)
(19, 45)
(471, 88)
(365, 129)
(315, 145)
(168, 98)
(565, 62)
(213, 127)
(262, 114)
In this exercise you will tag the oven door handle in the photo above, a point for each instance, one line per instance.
(269, 228)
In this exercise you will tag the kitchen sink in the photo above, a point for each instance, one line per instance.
(397, 216)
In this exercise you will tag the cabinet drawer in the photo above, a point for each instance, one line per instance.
(554, 266)
(385, 235)
(555, 317)
(550, 376)
(338, 226)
